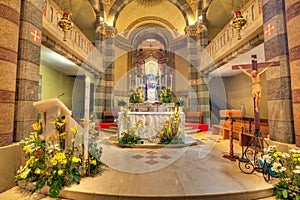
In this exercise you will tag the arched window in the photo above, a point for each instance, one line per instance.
(253, 12)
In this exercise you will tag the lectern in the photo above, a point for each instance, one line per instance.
(50, 108)
(231, 114)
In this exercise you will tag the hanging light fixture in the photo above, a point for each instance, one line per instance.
(65, 23)
(238, 22)
(148, 3)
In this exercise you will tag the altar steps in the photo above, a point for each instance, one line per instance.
(111, 130)
(188, 130)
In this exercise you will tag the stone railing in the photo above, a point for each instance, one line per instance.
(226, 45)
(76, 48)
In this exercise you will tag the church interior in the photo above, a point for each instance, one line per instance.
(178, 93)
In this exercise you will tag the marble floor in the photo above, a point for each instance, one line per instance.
(194, 172)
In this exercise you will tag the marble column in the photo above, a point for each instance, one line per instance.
(292, 9)
(28, 66)
(198, 92)
(109, 57)
(9, 34)
(192, 73)
(100, 86)
(281, 126)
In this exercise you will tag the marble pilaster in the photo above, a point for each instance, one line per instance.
(292, 9)
(28, 66)
(278, 78)
(10, 19)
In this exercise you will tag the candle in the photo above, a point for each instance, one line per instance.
(171, 81)
(136, 80)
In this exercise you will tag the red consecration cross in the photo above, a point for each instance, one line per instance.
(269, 30)
(35, 35)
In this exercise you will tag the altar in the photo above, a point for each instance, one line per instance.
(147, 125)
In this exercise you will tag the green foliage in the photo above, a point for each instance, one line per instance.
(165, 95)
(121, 103)
(48, 163)
(137, 96)
(286, 165)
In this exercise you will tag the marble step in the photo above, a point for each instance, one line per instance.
(110, 130)
(192, 131)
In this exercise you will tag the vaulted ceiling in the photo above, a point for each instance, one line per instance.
(171, 14)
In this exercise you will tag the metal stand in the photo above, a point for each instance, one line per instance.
(248, 163)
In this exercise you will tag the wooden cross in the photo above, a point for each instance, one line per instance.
(255, 66)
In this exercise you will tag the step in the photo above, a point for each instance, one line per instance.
(193, 131)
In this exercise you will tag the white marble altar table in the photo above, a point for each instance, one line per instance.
(155, 121)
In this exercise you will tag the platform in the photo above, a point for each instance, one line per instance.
(195, 172)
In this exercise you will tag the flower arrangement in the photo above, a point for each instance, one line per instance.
(180, 102)
(137, 96)
(48, 162)
(171, 130)
(287, 167)
(131, 133)
(165, 95)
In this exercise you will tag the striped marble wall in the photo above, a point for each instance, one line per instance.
(28, 67)
(10, 19)
(278, 78)
(292, 11)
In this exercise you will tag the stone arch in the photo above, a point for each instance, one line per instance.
(119, 5)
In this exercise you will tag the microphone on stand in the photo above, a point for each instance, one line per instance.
(62, 94)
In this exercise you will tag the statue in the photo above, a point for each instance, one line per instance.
(256, 87)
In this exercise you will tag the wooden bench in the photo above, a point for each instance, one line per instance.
(237, 130)
(194, 117)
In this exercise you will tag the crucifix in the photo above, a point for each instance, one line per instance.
(256, 87)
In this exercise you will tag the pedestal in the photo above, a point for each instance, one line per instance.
(230, 114)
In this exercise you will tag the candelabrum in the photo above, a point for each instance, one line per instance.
(238, 22)
(65, 24)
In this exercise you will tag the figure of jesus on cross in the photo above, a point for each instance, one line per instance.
(255, 77)
(256, 87)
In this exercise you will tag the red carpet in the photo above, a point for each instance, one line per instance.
(106, 125)
(202, 127)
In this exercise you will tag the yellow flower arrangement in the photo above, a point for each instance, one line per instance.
(137, 96)
(131, 132)
(165, 95)
(171, 130)
(47, 160)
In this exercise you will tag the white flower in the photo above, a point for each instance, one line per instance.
(296, 171)
(267, 158)
(294, 151)
(285, 155)
(277, 167)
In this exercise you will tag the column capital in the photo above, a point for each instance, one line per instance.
(193, 30)
(108, 31)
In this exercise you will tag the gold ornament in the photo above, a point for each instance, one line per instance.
(238, 22)
(66, 24)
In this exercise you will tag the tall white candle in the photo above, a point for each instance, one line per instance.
(171, 81)
(136, 84)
